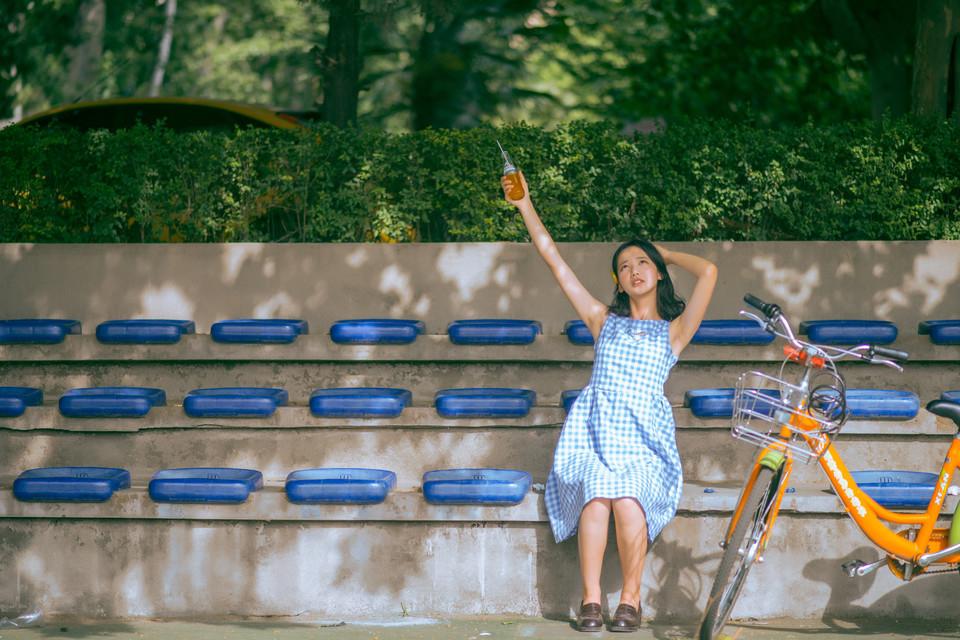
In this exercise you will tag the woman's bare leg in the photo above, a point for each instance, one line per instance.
(592, 542)
(631, 529)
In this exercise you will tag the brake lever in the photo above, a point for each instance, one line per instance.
(764, 324)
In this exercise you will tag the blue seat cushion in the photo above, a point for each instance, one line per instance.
(493, 331)
(884, 404)
(568, 397)
(941, 331)
(37, 330)
(251, 331)
(577, 332)
(718, 402)
(484, 402)
(205, 484)
(897, 489)
(359, 402)
(951, 396)
(476, 486)
(339, 486)
(143, 331)
(15, 400)
(731, 332)
(849, 332)
(376, 331)
(234, 402)
(70, 484)
(111, 402)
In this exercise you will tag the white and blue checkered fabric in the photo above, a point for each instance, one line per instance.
(619, 439)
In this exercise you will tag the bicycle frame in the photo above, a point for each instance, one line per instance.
(869, 516)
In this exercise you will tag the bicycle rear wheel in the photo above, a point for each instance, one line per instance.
(741, 551)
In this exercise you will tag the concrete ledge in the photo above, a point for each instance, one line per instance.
(290, 417)
(270, 504)
(427, 348)
(48, 417)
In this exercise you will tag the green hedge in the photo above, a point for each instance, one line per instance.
(710, 180)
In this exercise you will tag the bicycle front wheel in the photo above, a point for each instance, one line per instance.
(741, 552)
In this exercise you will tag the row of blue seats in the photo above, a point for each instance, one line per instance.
(262, 402)
(478, 332)
(860, 404)
(226, 485)
(501, 487)
(382, 402)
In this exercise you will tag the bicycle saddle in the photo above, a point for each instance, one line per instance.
(945, 409)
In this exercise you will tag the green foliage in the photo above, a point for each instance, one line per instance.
(450, 64)
(701, 180)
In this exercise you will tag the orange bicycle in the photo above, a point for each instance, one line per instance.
(797, 420)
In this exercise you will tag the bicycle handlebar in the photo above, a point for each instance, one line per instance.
(893, 354)
(769, 309)
(775, 318)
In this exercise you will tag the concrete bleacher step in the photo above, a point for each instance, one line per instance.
(427, 347)
(298, 440)
(483, 558)
(423, 379)
(401, 505)
(46, 417)
(133, 556)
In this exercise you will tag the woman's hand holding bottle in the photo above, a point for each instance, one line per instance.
(507, 182)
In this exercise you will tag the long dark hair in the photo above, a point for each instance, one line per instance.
(669, 304)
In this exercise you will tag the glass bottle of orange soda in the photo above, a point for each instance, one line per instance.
(515, 191)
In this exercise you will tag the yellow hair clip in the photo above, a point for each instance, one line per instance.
(614, 276)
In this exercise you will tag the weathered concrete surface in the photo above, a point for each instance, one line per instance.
(396, 626)
(399, 627)
(426, 348)
(900, 281)
(270, 504)
(549, 380)
(78, 563)
(111, 569)
(709, 456)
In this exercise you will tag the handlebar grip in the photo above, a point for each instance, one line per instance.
(768, 309)
(893, 354)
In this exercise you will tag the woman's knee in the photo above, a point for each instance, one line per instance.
(628, 508)
(596, 508)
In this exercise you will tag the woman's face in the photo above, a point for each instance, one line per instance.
(636, 272)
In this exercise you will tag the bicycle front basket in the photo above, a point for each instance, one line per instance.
(763, 405)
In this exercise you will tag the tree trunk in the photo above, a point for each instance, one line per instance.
(217, 26)
(163, 55)
(883, 31)
(341, 63)
(85, 54)
(439, 72)
(935, 56)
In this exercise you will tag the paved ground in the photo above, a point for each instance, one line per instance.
(492, 628)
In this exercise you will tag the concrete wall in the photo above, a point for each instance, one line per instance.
(127, 558)
(899, 281)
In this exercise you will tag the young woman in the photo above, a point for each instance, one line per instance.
(617, 452)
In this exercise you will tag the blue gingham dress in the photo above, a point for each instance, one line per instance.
(619, 438)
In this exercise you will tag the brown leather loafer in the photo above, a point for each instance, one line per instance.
(625, 618)
(589, 618)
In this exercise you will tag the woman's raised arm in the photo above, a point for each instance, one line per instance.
(588, 308)
(686, 324)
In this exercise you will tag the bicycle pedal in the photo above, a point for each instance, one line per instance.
(859, 568)
(850, 568)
